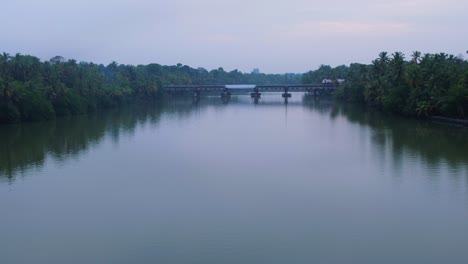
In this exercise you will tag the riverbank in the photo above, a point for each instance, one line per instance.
(446, 120)
(35, 90)
(425, 86)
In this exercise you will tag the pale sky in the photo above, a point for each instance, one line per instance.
(274, 36)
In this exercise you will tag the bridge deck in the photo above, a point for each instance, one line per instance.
(296, 87)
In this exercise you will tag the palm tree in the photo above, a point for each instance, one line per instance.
(416, 57)
(397, 63)
(383, 57)
(381, 62)
(4, 57)
(4, 87)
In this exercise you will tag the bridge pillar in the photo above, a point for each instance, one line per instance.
(225, 96)
(286, 94)
(226, 93)
(196, 95)
(256, 94)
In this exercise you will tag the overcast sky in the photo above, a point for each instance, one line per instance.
(274, 36)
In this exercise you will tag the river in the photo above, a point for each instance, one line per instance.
(312, 181)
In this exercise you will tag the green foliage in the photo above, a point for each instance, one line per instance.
(31, 103)
(433, 84)
(9, 113)
(35, 90)
(325, 72)
(456, 101)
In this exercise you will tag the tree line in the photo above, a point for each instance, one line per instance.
(31, 89)
(425, 85)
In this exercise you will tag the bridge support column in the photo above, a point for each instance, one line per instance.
(196, 95)
(286, 94)
(226, 96)
(226, 93)
(256, 94)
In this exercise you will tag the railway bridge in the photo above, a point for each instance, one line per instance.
(321, 89)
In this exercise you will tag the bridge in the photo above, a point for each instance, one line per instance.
(255, 90)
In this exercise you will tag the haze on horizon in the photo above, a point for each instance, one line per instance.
(274, 36)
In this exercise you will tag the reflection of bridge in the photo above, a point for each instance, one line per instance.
(255, 90)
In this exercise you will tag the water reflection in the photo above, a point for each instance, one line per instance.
(313, 181)
(402, 144)
(433, 142)
(27, 146)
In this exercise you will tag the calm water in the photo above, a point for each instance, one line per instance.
(313, 182)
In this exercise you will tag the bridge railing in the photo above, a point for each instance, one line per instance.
(250, 87)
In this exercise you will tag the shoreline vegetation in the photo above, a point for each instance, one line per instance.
(433, 86)
(426, 86)
(35, 90)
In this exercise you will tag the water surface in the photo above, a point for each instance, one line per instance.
(308, 182)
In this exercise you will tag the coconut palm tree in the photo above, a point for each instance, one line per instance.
(397, 63)
(416, 57)
(383, 57)
(381, 62)
(4, 57)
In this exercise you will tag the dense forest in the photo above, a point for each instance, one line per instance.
(433, 84)
(31, 89)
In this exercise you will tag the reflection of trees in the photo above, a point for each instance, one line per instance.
(27, 145)
(433, 143)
